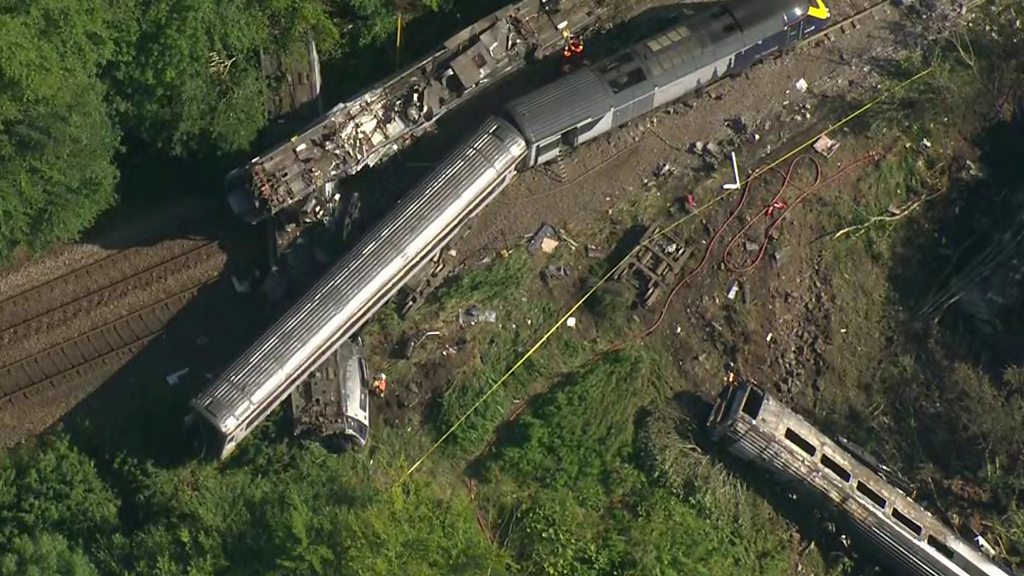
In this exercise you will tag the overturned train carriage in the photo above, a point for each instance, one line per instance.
(755, 427)
(360, 283)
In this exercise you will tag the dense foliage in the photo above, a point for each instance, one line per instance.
(295, 510)
(57, 139)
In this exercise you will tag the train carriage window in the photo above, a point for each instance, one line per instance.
(548, 147)
(752, 403)
(906, 521)
(870, 494)
(800, 442)
(835, 468)
(627, 80)
(940, 547)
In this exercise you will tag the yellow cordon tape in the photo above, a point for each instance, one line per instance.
(547, 335)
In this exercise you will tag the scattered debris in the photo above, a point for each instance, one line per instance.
(594, 252)
(733, 289)
(738, 125)
(175, 378)
(663, 170)
(416, 339)
(826, 146)
(984, 545)
(971, 169)
(555, 272)
(570, 321)
(801, 85)
(241, 286)
(926, 143)
(768, 338)
(475, 314)
(545, 239)
(736, 174)
(708, 151)
(656, 264)
(565, 238)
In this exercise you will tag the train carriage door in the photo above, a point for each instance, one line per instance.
(794, 33)
(571, 138)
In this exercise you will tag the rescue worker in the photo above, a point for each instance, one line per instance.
(573, 51)
(379, 385)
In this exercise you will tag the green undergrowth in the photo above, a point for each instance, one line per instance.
(578, 485)
(294, 510)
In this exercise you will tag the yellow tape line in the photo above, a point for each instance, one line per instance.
(547, 335)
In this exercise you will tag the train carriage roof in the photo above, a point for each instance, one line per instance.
(567, 102)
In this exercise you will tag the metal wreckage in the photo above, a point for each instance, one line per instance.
(374, 125)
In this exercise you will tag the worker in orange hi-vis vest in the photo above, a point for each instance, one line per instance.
(572, 53)
(379, 385)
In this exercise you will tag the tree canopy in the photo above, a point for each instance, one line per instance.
(57, 140)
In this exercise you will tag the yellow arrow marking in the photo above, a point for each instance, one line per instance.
(819, 10)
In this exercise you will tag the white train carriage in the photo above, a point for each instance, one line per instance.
(362, 281)
(756, 427)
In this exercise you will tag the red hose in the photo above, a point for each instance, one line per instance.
(776, 205)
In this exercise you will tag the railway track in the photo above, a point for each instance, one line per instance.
(79, 284)
(102, 349)
(34, 314)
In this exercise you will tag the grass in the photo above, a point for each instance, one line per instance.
(574, 491)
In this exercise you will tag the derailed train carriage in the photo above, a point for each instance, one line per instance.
(754, 426)
(532, 130)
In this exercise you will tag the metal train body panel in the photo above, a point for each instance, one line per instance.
(755, 427)
(376, 123)
(362, 281)
(703, 48)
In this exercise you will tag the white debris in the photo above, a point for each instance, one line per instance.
(174, 379)
(926, 143)
(801, 85)
(826, 146)
(570, 321)
(984, 545)
(769, 337)
(733, 289)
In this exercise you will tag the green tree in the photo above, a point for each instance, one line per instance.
(194, 83)
(57, 142)
(44, 555)
(55, 488)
